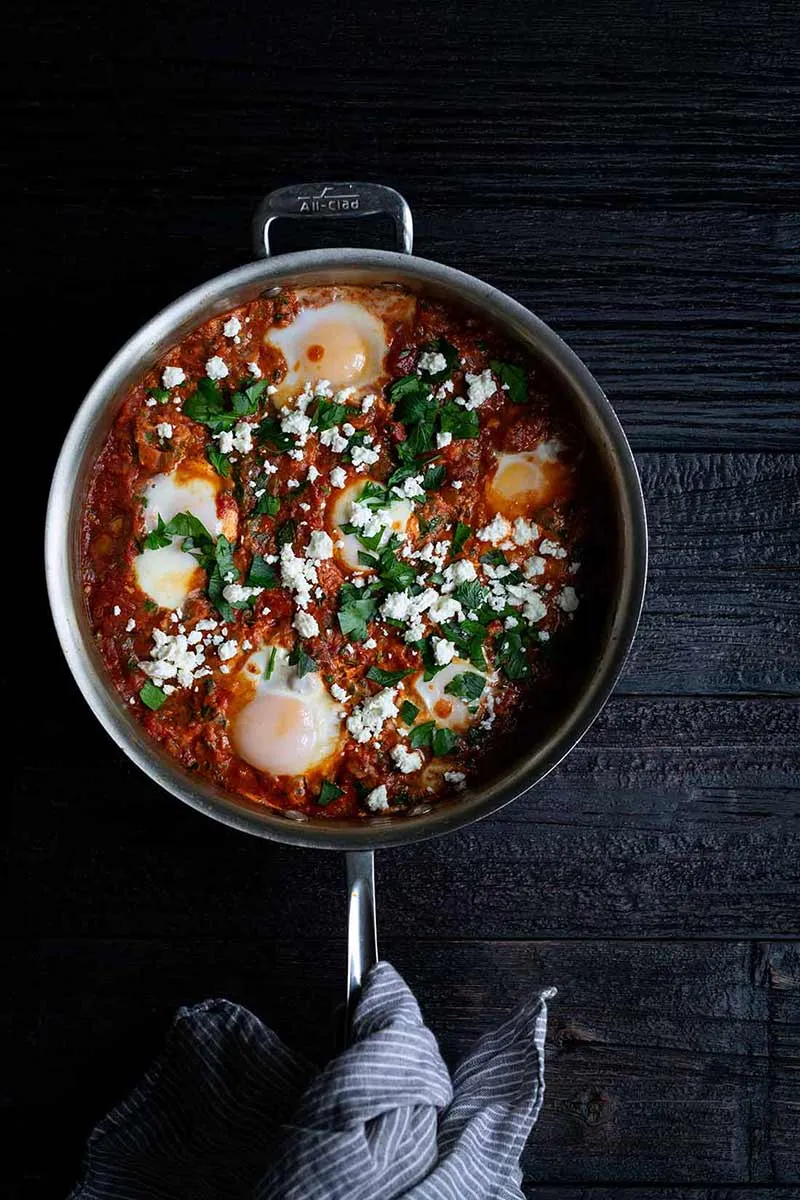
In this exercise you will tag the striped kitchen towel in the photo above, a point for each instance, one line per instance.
(228, 1112)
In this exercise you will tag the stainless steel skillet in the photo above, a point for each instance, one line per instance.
(357, 837)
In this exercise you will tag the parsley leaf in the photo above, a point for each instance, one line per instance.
(223, 572)
(268, 506)
(285, 532)
(262, 574)
(329, 791)
(467, 686)
(461, 422)
(159, 393)
(269, 430)
(386, 678)
(461, 535)
(270, 667)
(421, 735)
(474, 597)
(408, 712)
(219, 461)
(434, 478)
(207, 406)
(355, 609)
(302, 662)
(152, 695)
(443, 742)
(184, 525)
(328, 413)
(511, 657)
(515, 378)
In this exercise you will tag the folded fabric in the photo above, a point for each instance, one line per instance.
(229, 1112)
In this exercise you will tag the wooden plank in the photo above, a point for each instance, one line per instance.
(660, 1054)
(780, 968)
(640, 193)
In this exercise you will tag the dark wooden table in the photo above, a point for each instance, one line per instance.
(630, 172)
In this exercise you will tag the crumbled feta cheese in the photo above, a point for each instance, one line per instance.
(432, 362)
(458, 484)
(533, 566)
(305, 624)
(443, 439)
(479, 388)
(348, 430)
(333, 439)
(228, 649)
(254, 370)
(225, 440)
(339, 693)
(151, 402)
(461, 571)
(363, 457)
(367, 402)
(443, 651)
(171, 658)
(410, 488)
(338, 477)
(172, 377)
(297, 575)
(243, 437)
(292, 483)
(495, 532)
(216, 368)
(116, 610)
(552, 549)
(295, 422)
(405, 761)
(445, 609)
(457, 778)
(313, 474)
(319, 546)
(164, 430)
(567, 599)
(370, 644)
(237, 593)
(534, 609)
(232, 327)
(377, 800)
(129, 628)
(367, 720)
(524, 532)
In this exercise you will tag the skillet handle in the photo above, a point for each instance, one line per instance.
(333, 200)
(362, 941)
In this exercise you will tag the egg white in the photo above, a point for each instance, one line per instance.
(288, 725)
(441, 707)
(394, 517)
(169, 574)
(523, 482)
(346, 341)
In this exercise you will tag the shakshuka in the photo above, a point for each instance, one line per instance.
(332, 549)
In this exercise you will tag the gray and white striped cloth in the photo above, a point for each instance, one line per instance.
(229, 1113)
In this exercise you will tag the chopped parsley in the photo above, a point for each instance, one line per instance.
(152, 696)
(261, 574)
(461, 422)
(270, 666)
(269, 430)
(284, 534)
(450, 355)
(408, 712)
(357, 606)
(267, 506)
(514, 379)
(467, 686)
(303, 663)
(328, 792)
(219, 461)
(386, 678)
(461, 535)
(511, 657)
(440, 740)
(209, 404)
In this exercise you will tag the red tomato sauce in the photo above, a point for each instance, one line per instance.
(276, 487)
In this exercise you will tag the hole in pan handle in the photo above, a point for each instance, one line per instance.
(333, 200)
(362, 939)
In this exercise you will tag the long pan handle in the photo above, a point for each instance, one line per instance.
(362, 940)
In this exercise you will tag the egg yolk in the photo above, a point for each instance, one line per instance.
(524, 482)
(276, 733)
(338, 351)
